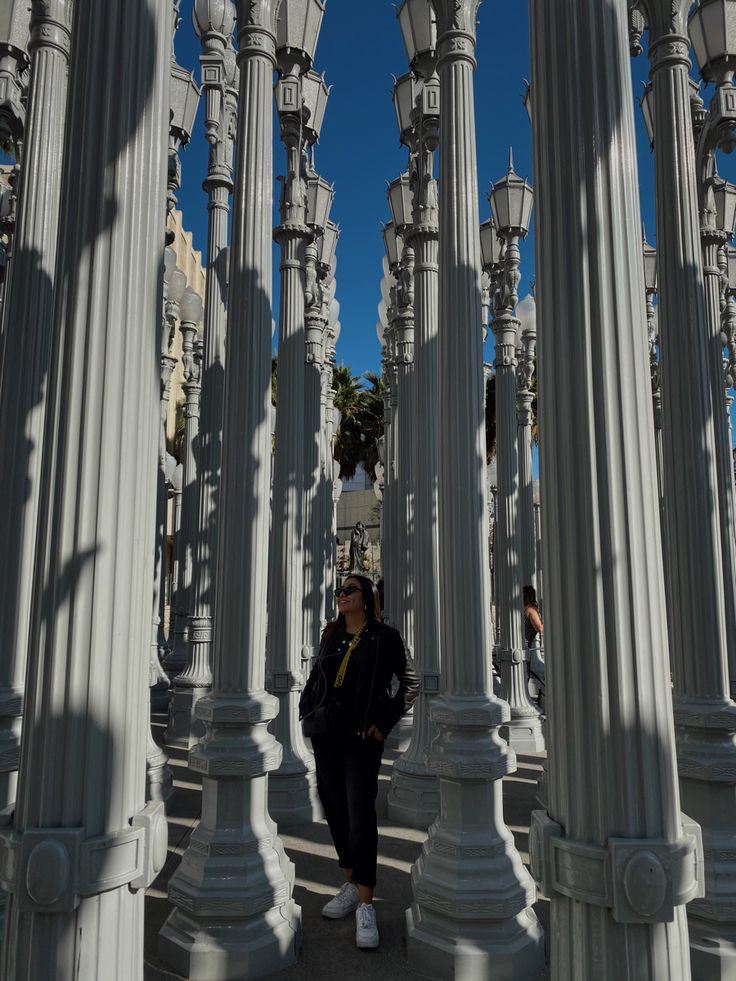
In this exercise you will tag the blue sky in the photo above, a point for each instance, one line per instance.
(359, 150)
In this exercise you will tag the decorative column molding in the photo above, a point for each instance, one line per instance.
(234, 914)
(15, 60)
(82, 848)
(524, 728)
(332, 470)
(613, 802)
(28, 314)
(414, 795)
(692, 413)
(526, 358)
(321, 310)
(182, 729)
(292, 789)
(214, 26)
(471, 913)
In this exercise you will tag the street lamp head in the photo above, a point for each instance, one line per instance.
(328, 246)
(646, 104)
(526, 314)
(712, 29)
(406, 91)
(15, 18)
(320, 195)
(297, 31)
(724, 195)
(512, 200)
(731, 252)
(650, 265)
(491, 246)
(527, 99)
(315, 94)
(213, 17)
(177, 284)
(184, 104)
(418, 23)
(191, 307)
(400, 199)
(393, 244)
(169, 263)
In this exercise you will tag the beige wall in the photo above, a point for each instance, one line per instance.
(352, 507)
(190, 263)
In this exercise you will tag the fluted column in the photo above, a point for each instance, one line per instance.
(234, 915)
(219, 76)
(524, 399)
(538, 564)
(524, 728)
(405, 423)
(159, 780)
(334, 484)
(292, 790)
(317, 507)
(182, 730)
(471, 914)
(28, 314)
(692, 412)
(611, 852)
(27, 311)
(414, 795)
(713, 240)
(82, 848)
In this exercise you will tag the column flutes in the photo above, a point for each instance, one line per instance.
(85, 846)
(705, 716)
(613, 802)
(232, 894)
(472, 896)
(219, 81)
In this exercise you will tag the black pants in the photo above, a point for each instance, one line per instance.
(347, 782)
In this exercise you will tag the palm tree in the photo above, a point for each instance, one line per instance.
(372, 419)
(349, 438)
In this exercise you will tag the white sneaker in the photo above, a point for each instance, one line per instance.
(366, 931)
(343, 903)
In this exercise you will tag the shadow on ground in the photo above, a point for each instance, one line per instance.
(329, 950)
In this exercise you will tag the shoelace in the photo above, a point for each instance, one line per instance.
(345, 889)
(365, 915)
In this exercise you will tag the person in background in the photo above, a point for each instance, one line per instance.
(533, 625)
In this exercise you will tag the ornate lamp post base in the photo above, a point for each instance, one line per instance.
(712, 957)
(292, 795)
(471, 918)
(234, 914)
(184, 730)
(268, 943)
(414, 798)
(159, 781)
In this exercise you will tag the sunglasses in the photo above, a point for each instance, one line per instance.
(347, 590)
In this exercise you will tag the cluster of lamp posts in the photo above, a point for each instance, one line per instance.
(633, 844)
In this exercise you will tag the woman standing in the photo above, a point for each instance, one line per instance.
(348, 711)
(532, 620)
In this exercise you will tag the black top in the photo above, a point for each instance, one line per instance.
(365, 697)
(530, 631)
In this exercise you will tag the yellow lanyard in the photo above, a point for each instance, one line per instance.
(346, 660)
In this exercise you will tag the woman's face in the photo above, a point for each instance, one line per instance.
(352, 602)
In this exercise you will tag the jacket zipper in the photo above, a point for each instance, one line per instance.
(370, 696)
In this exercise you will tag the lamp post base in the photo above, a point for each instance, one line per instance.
(524, 734)
(712, 953)
(511, 951)
(292, 797)
(266, 944)
(184, 729)
(414, 797)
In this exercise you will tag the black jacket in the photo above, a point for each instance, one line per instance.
(383, 656)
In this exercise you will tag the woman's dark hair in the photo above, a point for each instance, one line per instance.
(530, 596)
(369, 600)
